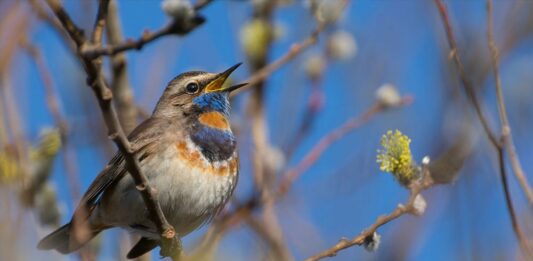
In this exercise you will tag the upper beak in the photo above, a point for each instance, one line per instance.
(217, 85)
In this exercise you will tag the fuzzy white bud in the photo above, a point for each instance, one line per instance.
(178, 9)
(425, 160)
(314, 66)
(342, 45)
(419, 205)
(371, 243)
(274, 158)
(327, 11)
(388, 95)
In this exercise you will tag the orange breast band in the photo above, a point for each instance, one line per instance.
(214, 119)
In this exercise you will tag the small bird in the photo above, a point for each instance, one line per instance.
(187, 151)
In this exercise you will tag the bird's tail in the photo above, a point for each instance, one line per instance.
(66, 240)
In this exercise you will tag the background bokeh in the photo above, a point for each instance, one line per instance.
(401, 43)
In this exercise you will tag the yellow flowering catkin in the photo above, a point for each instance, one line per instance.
(49, 145)
(395, 156)
(44, 153)
(8, 167)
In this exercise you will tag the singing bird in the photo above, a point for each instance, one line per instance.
(187, 151)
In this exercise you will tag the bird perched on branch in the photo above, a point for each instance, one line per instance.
(188, 153)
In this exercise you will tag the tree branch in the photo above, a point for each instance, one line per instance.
(409, 208)
(104, 96)
(503, 117)
(244, 210)
(120, 85)
(507, 140)
(53, 104)
(506, 135)
(296, 48)
(175, 27)
(467, 85)
(314, 154)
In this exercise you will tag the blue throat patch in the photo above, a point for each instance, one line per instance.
(215, 101)
(215, 144)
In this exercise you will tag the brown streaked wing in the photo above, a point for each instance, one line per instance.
(142, 140)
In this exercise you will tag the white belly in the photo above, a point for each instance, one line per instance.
(189, 194)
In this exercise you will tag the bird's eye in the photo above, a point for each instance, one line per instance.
(192, 88)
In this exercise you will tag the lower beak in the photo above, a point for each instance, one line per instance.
(217, 84)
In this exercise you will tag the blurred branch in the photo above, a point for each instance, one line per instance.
(507, 140)
(261, 72)
(366, 237)
(506, 136)
(314, 154)
(296, 48)
(467, 84)
(96, 81)
(175, 27)
(267, 225)
(497, 143)
(14, 17)
(52, 101)
(126, 108)
(313, 107)
(244, 210)
(201, 4)
(522, 240)
(46, 77)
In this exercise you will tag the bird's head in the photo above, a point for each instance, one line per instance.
(196, 93)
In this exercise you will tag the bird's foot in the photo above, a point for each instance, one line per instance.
(171, 248)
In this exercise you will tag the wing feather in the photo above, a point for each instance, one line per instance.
(142, 140)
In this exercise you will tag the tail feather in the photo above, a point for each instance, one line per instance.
(63, 241)
(143, 246)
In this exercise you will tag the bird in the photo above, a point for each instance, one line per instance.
(189, 155)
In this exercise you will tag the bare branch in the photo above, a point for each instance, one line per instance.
(507, 137)
(466, 83)
(52, 101)
(175, 27)
(477, 104)
(296, 48)
(244, 210)
(120, 85)
(409, 208)
(314, 154)
(522, 240)
(97, 83)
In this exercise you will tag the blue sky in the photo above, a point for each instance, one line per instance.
(399, 42)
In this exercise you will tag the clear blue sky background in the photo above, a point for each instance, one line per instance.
(399, 42)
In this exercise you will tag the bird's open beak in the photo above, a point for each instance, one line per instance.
(217, 85)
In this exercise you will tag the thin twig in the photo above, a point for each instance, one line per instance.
(296, 48)
(507, 139)
(172, 28)
(120, 85)
(39, 9)
(467, 85)
(477, 104)
(100, 22)
(325, 142)
(97, 83)
(264, 176)
(201, 4)
(414, 190)
(510, 208)
(506, 135)
(243, 210)
(147, 37)
(53, 104)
